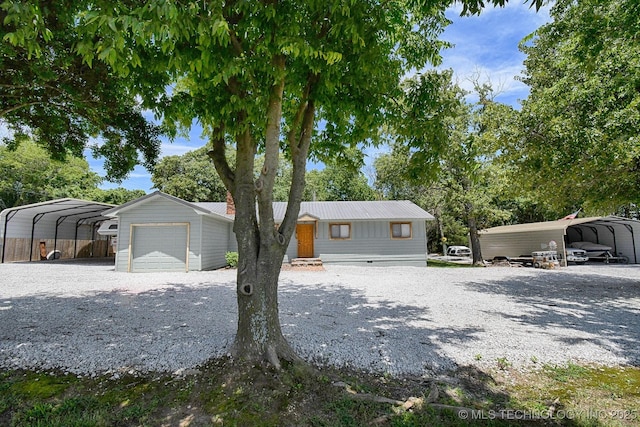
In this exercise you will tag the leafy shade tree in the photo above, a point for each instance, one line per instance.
(29, 175)
(341, 179)
(392, 182)
(114, 196)
(462, 177)
(580, 139)
(191, 177)
(259, 76)
(50, 95)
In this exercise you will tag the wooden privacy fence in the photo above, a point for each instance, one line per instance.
(17, 249)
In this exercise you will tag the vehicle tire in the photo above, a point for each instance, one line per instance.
(623, 260)
(536, 264)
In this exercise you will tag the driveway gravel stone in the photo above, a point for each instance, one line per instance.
(86, 318)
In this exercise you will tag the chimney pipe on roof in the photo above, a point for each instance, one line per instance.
(231, 206)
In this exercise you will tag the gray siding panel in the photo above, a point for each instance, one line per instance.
(215, 241)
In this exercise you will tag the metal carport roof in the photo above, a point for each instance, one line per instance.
(61, 210)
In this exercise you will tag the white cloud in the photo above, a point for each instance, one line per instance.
(486, 47)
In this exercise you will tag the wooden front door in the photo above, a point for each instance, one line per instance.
(304, 233)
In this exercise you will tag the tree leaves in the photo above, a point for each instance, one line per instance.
(580, 124)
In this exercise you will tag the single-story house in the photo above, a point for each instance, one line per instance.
(621, 234)
(159, 232)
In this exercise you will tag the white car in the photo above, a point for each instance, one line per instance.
(458, 251)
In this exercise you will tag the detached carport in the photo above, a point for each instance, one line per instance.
(62, 228)
(622, 234)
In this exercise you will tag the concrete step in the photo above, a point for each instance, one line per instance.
(304, 262)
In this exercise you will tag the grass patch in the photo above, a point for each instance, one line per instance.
(439, 263)
(580, 395)
(220, 393)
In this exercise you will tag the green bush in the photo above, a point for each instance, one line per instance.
(232, 259)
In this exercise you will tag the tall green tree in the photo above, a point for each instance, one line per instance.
(340, 179)
(259, 76)
(29, 175)
(580, 143)
(191, 176)
(463, 179)
(50, 95)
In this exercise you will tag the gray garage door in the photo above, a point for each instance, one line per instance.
(159, 248)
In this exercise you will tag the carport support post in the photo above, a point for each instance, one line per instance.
(633, 242)
(35, 220)
(55, 236)
(4, 235)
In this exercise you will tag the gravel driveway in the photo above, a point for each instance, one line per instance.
(403, 320)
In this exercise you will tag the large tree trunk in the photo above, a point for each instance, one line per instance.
(261, 246)
(475, 241)
(259, 336)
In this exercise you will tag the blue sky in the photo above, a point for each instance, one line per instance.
(485, 46)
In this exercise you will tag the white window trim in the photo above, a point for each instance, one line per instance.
(331, 224)
(409, 237)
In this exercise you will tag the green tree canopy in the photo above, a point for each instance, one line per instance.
(340, 179)
(29, 175)
(50, 95)
(579, 144)
(191, 176)
(461, 181)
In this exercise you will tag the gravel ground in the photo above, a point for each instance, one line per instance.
(88, 319)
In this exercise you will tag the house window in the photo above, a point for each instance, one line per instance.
(400, 230)
(340, 231)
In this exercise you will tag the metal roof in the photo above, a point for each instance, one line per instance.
(622, 233)
(341, 210)
(357, 210)
(560, 224)
(90, 212)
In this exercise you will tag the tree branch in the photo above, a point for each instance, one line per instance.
(265, 182)
(219, 157)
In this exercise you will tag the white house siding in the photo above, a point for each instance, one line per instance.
(518, 243)
(215, 240)
(370, 243)
(158, 211)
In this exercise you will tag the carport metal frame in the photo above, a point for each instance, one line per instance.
(605, 222)
(78, 208)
